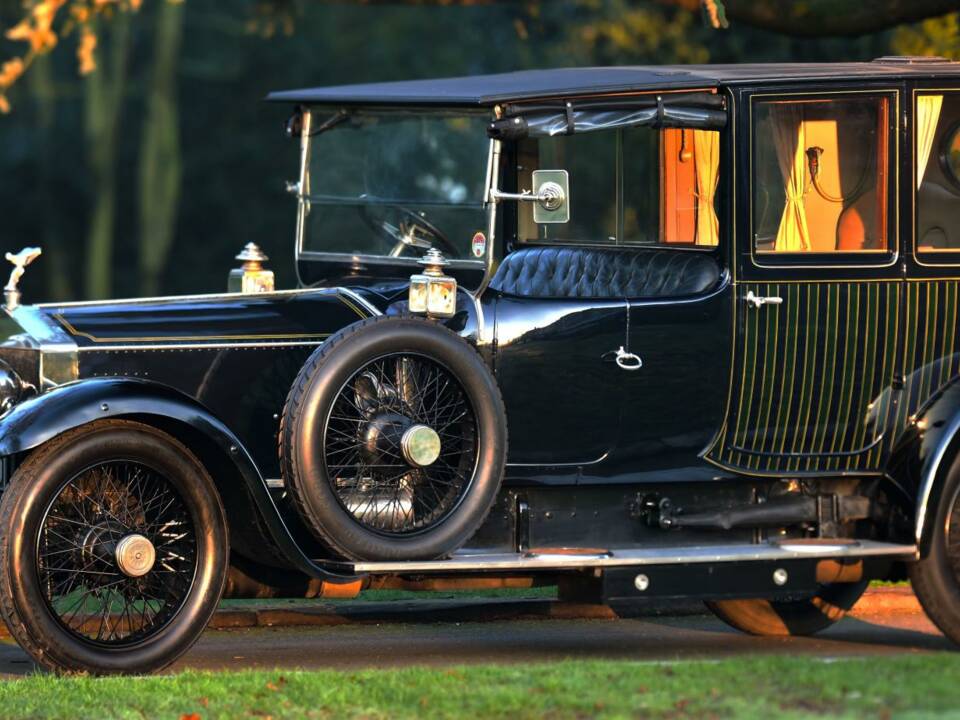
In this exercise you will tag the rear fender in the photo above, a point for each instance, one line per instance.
(923, 457)
(42, 418)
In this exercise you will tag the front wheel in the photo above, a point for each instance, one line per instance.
(113, 550)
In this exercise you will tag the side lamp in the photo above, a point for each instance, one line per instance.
(432, 292)
(251, 277)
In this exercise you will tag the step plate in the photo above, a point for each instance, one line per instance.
(637, 556)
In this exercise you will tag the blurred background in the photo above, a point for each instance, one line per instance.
(148, 174)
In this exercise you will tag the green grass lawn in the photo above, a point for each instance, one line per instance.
(760, 687)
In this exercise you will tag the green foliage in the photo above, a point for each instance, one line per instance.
(156, 186)
(936, 36)
(782, 687)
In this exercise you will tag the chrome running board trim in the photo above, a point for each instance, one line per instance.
(464, 560)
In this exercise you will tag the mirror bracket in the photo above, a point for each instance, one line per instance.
(550, 193)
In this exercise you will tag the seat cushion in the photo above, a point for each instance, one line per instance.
(578, 272)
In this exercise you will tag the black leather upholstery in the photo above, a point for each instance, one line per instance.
(578, 272)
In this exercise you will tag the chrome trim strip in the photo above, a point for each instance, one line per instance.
(638, 557)
(275, 483)
(132, 347)
(413, 263)
(183, 298)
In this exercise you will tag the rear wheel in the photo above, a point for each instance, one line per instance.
(114, 550)
(936, 577)
(804, 616)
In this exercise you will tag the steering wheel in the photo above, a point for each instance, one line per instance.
(409, 230)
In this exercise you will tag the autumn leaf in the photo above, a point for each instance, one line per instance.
(85, 56)
(10, 71)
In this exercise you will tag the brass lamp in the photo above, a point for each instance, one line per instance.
(432, 292)
(251, 277)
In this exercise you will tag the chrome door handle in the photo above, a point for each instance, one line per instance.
(627, 360)
(758, 300)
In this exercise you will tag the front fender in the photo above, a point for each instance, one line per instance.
(42, 418)
(923, 457)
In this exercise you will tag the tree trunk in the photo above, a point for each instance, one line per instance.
(104, 94)
(56, 246)
(160, 165)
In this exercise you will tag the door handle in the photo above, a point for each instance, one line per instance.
(758, 300)
(627, 360)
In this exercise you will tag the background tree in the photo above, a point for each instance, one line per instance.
(149, 174)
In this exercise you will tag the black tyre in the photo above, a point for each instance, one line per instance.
(113, 550)
(393, 440)
(778, 618)
(936, 577)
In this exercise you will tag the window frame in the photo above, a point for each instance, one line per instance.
(619, 190)
(838, 259)
(944, 257)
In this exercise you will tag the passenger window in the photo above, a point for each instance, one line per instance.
(938, 172)
(820, 175)
(629, 187)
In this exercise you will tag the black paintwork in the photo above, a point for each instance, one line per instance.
(586, 437)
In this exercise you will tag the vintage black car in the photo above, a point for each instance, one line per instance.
(716, 307)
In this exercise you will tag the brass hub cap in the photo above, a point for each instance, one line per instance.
(420, 445)
(135, 555)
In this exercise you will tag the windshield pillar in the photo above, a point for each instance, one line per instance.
(490, 205)
(303, 183)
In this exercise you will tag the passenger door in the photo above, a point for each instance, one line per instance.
(560, 396)
(819, 289)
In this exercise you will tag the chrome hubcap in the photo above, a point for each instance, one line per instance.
(420, 445)
(135, 555)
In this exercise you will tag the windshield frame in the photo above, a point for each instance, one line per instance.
(302, 190)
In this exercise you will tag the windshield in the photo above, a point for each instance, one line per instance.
(396, 184)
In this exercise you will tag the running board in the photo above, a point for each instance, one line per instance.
(571, 559)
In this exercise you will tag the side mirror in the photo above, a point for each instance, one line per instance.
(550, 196)
(551, 188)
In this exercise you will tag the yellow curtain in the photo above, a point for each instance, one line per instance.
(706, 155)
(789, 140)
(928, 113)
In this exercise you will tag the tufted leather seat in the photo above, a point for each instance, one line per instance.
(568, 272)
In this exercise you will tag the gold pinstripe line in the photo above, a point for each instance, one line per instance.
(854, 372)
(867, 392)
(769, 360)
(787, 388)
(823, 409)
(813, 338)
(739, 437)
(844, 369)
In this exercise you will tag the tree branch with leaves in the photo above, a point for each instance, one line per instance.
(45, 22)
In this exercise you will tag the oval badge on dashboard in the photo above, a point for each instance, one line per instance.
(479, 244)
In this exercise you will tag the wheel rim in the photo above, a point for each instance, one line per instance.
(400, 444)
(952, 535)
(116, 553)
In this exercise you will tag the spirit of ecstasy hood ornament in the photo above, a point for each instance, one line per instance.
(11, 294)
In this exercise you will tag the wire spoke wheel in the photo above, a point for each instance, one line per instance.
(116, 553)
(393, 440)
(400, 444)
